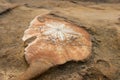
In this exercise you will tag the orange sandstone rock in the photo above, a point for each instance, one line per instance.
(57, 41)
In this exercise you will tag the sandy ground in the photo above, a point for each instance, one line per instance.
(101, 20)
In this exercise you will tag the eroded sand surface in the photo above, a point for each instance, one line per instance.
(102, 21)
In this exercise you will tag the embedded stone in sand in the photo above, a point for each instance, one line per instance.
(57, 42)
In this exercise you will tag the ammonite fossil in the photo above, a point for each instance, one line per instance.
(57, 41)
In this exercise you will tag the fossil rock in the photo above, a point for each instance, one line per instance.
(57, 42)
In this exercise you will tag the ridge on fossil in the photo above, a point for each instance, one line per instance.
(57, 30)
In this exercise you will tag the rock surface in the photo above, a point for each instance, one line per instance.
(102, 21)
